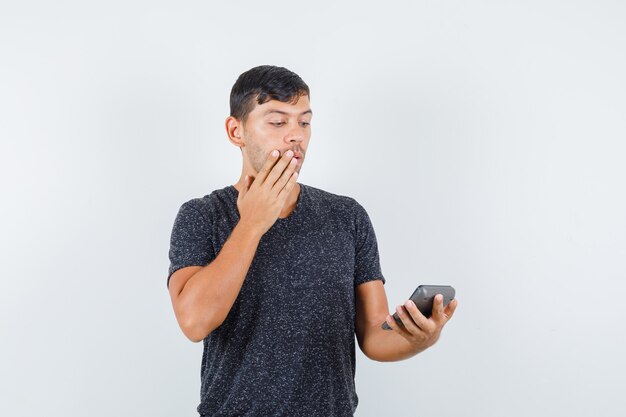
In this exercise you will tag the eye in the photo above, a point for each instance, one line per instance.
(305, 123)
(277, 124)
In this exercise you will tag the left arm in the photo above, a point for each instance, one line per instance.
(418, 334)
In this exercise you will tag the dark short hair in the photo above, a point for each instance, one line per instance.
(265, 83)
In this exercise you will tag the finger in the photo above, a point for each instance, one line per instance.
(291, 182)
(395, 326)
(267, 167)
(420, 320)
(277, 169)
(438, 308)
(285, 176)
(450, 309)
(407, 321)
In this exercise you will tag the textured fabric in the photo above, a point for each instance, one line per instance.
(287, 346)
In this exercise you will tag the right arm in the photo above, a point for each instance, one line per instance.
(202, 296)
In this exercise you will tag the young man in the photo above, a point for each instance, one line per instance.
(276, 277)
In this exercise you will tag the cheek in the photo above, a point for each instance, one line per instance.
(258, 155)
(265, 130)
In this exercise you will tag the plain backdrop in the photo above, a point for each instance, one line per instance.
(486, 140)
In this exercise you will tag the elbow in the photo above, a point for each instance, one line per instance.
(371, 355)
(378, 356)
(192, 338)
(197, 330)
(365, 348)
(192, 334)
(195, 339)
(373, 345)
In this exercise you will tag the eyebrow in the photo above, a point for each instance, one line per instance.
(309, 111)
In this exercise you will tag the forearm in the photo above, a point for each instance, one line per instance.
(388, 346)
(416, 334)
(211, 292)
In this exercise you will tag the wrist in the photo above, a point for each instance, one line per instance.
(248, 230)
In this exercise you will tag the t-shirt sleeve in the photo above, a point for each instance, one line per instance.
(190, 242)
(366, 262)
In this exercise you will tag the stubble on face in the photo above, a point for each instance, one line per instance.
(256, 154)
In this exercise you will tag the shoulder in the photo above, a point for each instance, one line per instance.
(346, 209)
(204, 207)
(337, 203)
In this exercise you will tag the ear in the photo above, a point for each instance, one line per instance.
(234, 130)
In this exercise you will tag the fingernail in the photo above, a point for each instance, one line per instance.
(274, 153)
(408, 303)
(289, 153)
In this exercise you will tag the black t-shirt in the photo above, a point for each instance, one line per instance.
(287, 346)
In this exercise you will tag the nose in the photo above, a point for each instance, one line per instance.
(296, 134)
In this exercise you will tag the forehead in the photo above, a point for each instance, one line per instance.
(275, 107)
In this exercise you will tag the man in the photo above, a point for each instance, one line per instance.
(276, 277)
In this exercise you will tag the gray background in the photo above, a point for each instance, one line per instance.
(485, 140)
